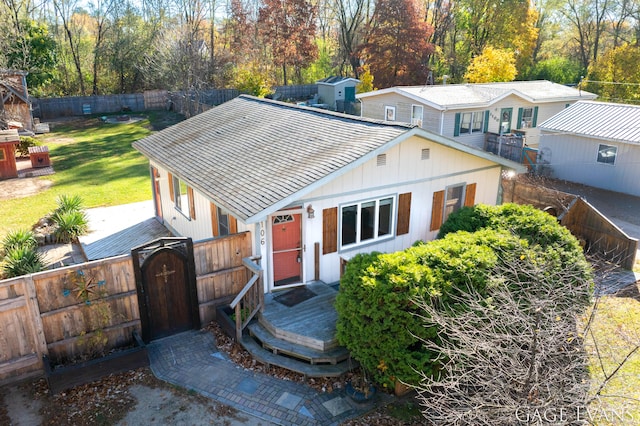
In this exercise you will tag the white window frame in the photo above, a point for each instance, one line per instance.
(602, 159)
(472, 122)
(526, 124)
(455, 203)
(390, 113)
(417, 118)
(181, 200)
(358, 225)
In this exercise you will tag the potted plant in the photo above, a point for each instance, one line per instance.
(359, 388)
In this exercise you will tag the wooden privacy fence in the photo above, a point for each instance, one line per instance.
(43, 313)
(584, 221)
(599, 234)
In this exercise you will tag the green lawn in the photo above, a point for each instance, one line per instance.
(94, 160)
(617, 333)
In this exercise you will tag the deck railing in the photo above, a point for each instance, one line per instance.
(250, 300)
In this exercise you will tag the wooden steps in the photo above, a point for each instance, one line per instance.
(301, 337)
(305, 353)
(308, 370)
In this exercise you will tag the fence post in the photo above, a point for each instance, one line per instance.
(33, 308)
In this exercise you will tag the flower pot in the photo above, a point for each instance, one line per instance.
(66, 377)
(360, 394)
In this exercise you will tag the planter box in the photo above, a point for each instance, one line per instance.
(223, 317)
(66, 377)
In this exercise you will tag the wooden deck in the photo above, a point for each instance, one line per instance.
(310, 323)
(116, 230)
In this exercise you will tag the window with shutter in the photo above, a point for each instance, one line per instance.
(329, 230)
(404, 213)
(437, 207)
(452, 199)
(170, 179)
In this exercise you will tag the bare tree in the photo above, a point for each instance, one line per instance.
(515, 353)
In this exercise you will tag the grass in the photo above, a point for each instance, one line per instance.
(94, 160)
(616, 331)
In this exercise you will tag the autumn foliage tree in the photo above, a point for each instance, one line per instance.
(288, 28)
(397, 49)
(491, 66)
(620, 67)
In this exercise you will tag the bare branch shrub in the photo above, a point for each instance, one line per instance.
(513, 350)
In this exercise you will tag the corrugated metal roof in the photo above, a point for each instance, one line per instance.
(616, 122)
(471, 95)
(248, 154)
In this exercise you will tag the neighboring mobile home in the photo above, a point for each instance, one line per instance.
(313, 187)
(593, 143)
(468, 112)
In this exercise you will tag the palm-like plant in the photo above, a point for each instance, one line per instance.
(70, 225)
(18, 238)
(22, 260)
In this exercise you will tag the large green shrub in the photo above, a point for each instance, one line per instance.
(540, 229)
(377, 318)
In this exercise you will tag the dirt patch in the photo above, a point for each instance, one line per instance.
(22, 187)
(131, 398)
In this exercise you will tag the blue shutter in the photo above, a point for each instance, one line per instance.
(486, 121)
(456, 130)
(535, 117)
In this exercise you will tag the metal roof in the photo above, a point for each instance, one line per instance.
(458, 96)
(603, 120)
(336, 79)
(254, 156)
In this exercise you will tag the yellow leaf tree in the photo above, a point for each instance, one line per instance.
(492, 65)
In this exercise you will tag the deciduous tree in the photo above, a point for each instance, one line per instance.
(398, 50)
(288, 28)
(492, 65)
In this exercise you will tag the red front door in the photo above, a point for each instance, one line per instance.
(287, 249)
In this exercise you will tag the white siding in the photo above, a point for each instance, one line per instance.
(573, 158)
(180, 224)
(404, 172)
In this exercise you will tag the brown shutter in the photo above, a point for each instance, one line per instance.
(404, 213)
(170, 178)
(233, 225)
(330, 230)
(192, 206)
(214, 219)
(470, 195)
(437, 209)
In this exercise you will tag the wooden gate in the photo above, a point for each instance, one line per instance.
(166, 286)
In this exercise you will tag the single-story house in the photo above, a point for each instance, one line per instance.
(467, 112)
(593, 143)
(15, 108)
(313, 187)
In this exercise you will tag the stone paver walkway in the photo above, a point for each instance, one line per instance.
(191, 360)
